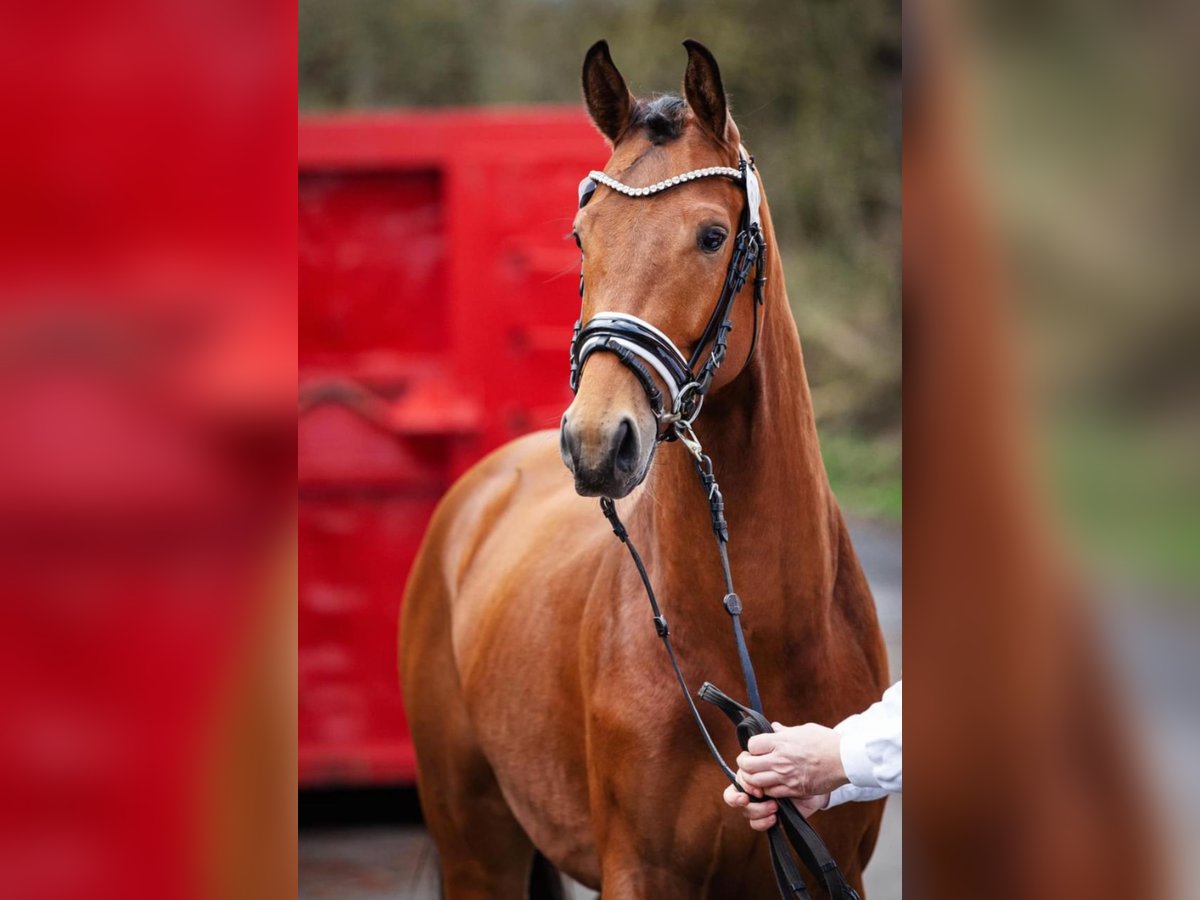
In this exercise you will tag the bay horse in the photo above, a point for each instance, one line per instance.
(547, 722)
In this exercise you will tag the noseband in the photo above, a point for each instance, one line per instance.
(643, 348)
(639, 344)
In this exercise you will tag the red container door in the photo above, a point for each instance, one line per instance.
(437, 293)
(373, 451)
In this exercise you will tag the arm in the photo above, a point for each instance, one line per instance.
(871, 750)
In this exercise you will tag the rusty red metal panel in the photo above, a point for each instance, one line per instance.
(437, 293)
(372, 261)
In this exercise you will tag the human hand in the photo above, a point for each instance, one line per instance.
(802, 761)
(762, 815)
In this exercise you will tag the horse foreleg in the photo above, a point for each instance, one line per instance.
(634, 869)
(483, 851)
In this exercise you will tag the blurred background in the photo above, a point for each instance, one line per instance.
(1085, 130)
(428, 264)
(1051, 296)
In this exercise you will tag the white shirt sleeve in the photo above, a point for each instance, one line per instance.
(871, 751)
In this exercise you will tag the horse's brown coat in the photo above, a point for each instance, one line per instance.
(543, 708)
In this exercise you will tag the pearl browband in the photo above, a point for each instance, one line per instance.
(742, 175)
(620, 188)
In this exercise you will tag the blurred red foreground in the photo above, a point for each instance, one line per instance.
(147, 334)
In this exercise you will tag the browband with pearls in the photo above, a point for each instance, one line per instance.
(742, 175)
(620, 188)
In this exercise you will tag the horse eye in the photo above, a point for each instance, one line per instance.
(711, 239)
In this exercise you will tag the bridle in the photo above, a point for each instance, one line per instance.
(639, 345)
(643, 348)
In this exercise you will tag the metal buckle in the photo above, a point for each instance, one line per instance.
(688, 402)
(687, 437)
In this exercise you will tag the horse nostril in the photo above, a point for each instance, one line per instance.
(627, 447)
(568, 446)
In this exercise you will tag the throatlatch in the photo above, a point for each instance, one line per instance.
(642, 347)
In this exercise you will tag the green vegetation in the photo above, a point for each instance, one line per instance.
(864, 474)
(1133, 498)
(1086, 129)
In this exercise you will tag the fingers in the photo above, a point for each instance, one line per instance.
(749, 762)
(761, 743)
(762, 824)
(760, 815)
(768, 815)
(741, 779)
(754, 810)
(764, 809)
(762, 782)
(735, 798)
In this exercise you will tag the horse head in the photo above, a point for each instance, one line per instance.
(657, 250)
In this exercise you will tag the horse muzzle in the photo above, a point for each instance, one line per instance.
(607, 460)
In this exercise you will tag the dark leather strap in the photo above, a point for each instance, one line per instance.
(653, 395)
(748, 249)
(787, 873)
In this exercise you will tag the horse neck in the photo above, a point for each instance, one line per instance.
(761, 435)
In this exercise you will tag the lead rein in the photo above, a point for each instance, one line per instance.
(747, 721)
(732, 602)
(664, 632)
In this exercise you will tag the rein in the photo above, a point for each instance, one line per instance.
(642, 347)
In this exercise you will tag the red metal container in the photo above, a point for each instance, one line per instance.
(437, 294)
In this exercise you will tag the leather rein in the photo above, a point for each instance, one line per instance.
(643, 348)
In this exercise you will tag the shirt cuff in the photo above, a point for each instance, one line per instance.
(859, 768)
(849, 793)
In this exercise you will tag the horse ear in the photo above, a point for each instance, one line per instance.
(704, 92)
(609, 102)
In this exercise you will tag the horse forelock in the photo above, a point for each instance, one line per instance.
(662, 118)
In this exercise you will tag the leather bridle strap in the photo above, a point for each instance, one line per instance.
(749, 249)
(687, 380)
(606, 330)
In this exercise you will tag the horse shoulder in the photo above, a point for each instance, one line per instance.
(513, 539)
